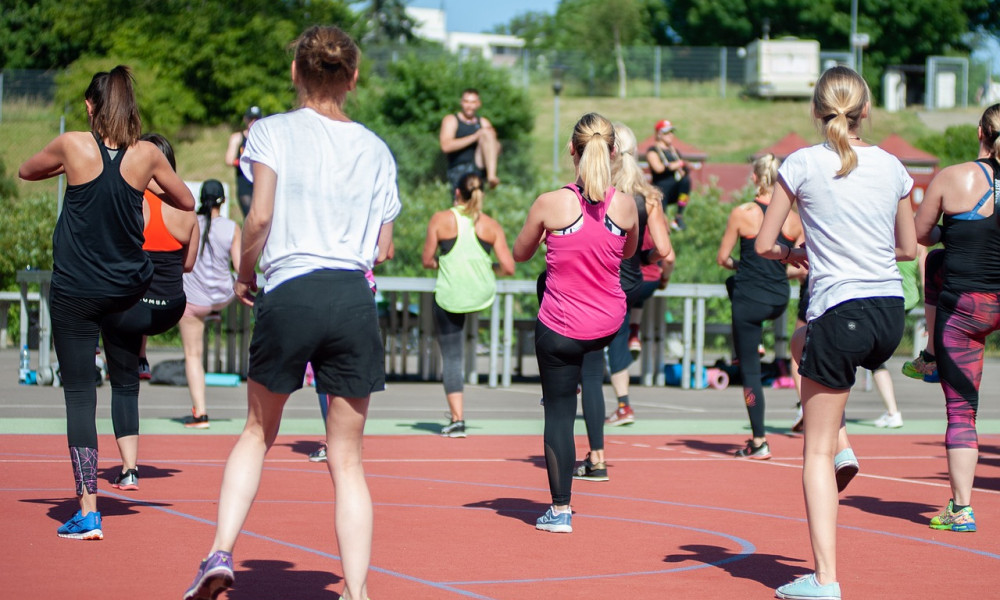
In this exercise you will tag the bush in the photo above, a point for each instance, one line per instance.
(958, 143)
(406, 107)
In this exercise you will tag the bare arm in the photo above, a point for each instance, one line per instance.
(233, 150)
(655, 163)
(504, 257)
(236, 248)
(450, 143)
(724, 256)
(532, 232)
(175, 191)
(191, 247)
(766, 245)
(428, 257)
(48, 162)
(256, 228)
(929, 211)
(656, 224)
(386, 247)
(906, 235)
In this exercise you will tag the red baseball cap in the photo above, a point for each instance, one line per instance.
(664, 126)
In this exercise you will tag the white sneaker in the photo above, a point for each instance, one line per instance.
(891, 421)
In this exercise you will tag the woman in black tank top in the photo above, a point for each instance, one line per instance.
(759, 292)
(99, 266)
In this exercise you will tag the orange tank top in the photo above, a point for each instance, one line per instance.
(158, 238)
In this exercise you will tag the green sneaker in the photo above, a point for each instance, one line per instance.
(922, 367)
(949, 520)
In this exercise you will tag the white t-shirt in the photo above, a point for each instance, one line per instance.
(336, 187)
(849, 223)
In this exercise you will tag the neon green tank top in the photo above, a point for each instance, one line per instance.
(465, 282)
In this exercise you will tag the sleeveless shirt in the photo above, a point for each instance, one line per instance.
(210, 281)
(583, 298)
(631, 268)
(465, 281)
(760, 279)
(165, 252)
(468, 154)
(97, 242)
(972, 244)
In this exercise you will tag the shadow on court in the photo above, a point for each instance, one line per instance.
(769, 570)
(915, 512)
(277, 579)
(61, 509)
(521, 509)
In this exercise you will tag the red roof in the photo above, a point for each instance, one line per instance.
(783, 147)
(907, 154)
(730, 177)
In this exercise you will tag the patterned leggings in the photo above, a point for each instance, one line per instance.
(963, 322)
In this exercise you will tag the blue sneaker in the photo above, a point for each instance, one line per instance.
(82, 527)
(555, 522)
(846, 466)
(215, 574)
(807, 588)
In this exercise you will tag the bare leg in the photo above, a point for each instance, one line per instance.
(353, 514)
(930, 317)
(128, 447)
(193, 338)
(883, 382)
(241, 478)
(455, 406)
(487, 153)
(824, 413)
(962, 473)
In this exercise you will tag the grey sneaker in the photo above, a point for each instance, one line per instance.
(455, 429)
(129, 480)
(318, 455)
(215, 574)
(591, 471)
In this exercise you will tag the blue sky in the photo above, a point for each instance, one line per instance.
(477, 16)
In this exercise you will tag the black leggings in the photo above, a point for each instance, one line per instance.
(451, 339)
(123, 333)
(76, 326)
(748, 320)
(560, 364)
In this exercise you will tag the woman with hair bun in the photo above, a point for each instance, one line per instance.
(462, 238)
(324, 201)
(588, 227)
(209, 289)
(99, 267)
(759, 292)
(854, 201)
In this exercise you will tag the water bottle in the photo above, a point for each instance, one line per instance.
(25, 368)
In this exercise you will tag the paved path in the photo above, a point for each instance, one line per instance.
(408, 407)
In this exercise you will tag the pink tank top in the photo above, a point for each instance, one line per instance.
(583, 294)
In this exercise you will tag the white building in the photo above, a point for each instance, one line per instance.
(501, 50)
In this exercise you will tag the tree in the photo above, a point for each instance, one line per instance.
(601, 28)
(388, 22)
(901, 32)
(535, 28)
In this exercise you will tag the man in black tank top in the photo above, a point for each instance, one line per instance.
(469, 142)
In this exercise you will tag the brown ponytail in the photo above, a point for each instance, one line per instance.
(115, 111)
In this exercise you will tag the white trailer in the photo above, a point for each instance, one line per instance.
(782, 68)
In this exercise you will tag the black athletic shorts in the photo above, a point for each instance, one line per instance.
(327, 318)
(863, 332)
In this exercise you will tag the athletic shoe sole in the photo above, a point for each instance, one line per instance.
(845, 474)
(93, 534)
(197, 425)
(555, 528)
(128, 487)
(592, 477)
(211, 585)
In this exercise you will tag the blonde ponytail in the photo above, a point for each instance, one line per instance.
(839, 102)
(593, 138)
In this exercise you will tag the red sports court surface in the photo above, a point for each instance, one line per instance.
(680, 518)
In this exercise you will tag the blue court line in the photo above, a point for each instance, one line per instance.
(411, 578)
